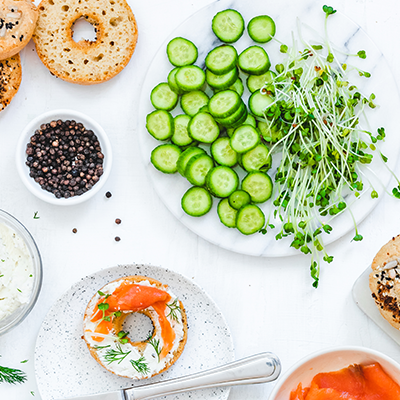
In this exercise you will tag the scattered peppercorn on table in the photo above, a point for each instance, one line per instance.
(264, 291)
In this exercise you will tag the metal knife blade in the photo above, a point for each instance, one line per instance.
(260, 368)
(118, 395)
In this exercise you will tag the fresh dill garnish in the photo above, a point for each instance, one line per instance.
(173, 309)
(12, 375)
(140, 366)
(35, 215)
(156, 345)
(116, 355)
(23, 362)
(101, 347)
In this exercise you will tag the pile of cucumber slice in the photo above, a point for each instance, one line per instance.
(217, 134)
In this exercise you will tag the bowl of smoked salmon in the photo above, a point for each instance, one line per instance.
(341, 373)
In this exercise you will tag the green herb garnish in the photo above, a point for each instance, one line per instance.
(156, 345)
(11, 375)
(140, 366)
(35, 215)
(174, 308)
(116, 355)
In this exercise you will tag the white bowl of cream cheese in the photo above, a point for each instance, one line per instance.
(20, 272)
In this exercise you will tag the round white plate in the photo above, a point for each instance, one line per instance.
(347, 36)
(65, 368)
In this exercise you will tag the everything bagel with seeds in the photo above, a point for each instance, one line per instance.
(384, 281)
(113, 348)
(85, 62)
(10, 79)
(17, 23)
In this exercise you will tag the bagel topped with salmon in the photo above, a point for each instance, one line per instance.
(112, 347)
(384, 281)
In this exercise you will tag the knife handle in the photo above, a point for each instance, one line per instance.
(260, 368)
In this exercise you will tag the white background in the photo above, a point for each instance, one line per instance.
(269, 304)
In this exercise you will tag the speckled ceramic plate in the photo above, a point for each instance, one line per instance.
(64, 367)
(347, 37)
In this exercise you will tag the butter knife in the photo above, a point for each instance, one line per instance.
(260, 368)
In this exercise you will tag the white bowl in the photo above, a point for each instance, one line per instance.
(20, 313)
(21, 156)
(328, 360)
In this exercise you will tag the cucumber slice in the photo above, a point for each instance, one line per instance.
(269, 135)
(245, 138)
(203, 128)
(222, 59)
(165, 157)
(250, 120)
(224, 81)
(225, 103)
(250, 219)
(160, 124)
(163, 97)
(236, 119)
(238, 87)
(256, 82)
(261, 28)
(226, 214)
(254, 60)
(221, 181)
(223, 153)
(196, 201)
(185, 157)
(257, 159)
(258, 185)
(181, 136)
(238, 199)
(192, 102)
(197, 169)
(172, 81)
(228, 25)
(181, 52)
(190, 78)
(258, 102)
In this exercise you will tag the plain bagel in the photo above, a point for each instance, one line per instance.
(384, 281)
(113, 349)
(17, 23)
(85, 62)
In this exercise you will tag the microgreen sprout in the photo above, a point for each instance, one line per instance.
(140, 366)
(314, 124)
(122, 336)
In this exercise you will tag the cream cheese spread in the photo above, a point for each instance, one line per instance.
(16, 271)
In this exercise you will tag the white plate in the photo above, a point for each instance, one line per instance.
(346, 35)
(362, 297)
(65, 368)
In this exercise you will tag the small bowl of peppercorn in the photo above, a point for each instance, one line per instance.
(64, 157)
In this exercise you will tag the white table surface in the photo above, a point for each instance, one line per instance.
(268, 303)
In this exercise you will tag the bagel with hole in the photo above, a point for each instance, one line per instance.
(17, 23)
(10, 79)
(85, 62)
(113, 348)
(384, 281)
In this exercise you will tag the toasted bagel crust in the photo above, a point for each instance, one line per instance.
(85, 62)
(384, 281)
(10, 79)
(17, 23)
(118, 322)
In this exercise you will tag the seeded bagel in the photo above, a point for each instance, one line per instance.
(10, 79)
(17, 23)
(85, 62)
(384, 281)
(149, 352)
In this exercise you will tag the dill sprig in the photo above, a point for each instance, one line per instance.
(11, 375)
(116, 355)
(174, 308)
(156, 345)
(140, 366)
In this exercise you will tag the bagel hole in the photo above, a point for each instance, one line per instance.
(83, 30)
(139, 326)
